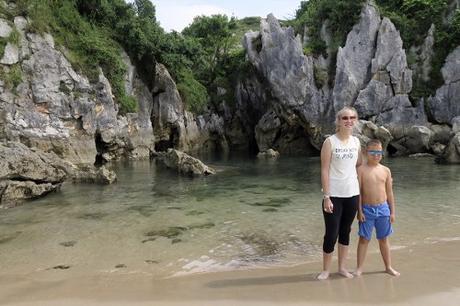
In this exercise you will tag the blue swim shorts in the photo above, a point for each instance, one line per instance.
(377, 216)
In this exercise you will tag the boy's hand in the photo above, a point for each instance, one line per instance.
(328, 206)
(392, 218)
(361, 217)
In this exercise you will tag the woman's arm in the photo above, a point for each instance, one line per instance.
(325, 164)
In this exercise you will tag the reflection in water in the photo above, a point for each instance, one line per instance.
(251, 213)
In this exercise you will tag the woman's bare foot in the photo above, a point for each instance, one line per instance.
(358, 272)
(345, 273)
(323, 275)
(392, 271)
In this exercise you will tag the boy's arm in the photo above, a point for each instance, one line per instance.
(390, 196)
(360, 216)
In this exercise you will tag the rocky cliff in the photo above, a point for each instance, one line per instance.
(371, 75)
(45, 104)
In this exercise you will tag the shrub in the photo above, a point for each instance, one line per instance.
(3, 44)
(341, 14)
(413, 18)
(128, 104)
(193, 93)
(14, 37)
(12, 77)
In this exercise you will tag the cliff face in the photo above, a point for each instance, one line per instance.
(48, 106)
(371, 75)
(53, 108)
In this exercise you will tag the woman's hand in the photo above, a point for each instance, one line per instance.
(327, 205)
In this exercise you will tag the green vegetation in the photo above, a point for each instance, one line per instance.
(413, 18)
(14, 37)
(11, 76)
(201, 59)
(243, 26)
(3, 43)
(222, 59)
(207, 56)
(341, 15)
(193, 93)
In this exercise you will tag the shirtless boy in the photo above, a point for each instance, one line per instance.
(376, 206)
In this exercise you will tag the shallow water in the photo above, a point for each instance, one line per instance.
(251, 214)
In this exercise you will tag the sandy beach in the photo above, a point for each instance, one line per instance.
(430, 276)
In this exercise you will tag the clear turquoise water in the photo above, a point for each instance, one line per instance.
(251, 214)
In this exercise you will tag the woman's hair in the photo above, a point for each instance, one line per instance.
(341, 112)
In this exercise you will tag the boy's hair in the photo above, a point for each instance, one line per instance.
(373, 142)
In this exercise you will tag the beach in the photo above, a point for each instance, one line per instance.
(430, 275)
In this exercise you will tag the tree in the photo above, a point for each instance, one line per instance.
(146, 10)
(214, 33)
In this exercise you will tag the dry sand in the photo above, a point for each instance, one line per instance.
(430, 276)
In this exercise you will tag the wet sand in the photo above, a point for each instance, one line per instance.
(430, 276)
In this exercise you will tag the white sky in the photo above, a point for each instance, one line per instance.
(176, 15)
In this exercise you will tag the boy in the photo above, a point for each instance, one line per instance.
(376, 206)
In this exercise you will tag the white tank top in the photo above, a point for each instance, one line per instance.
(343, 179)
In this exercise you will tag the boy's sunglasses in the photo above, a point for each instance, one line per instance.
(375, 152)
(348, 117)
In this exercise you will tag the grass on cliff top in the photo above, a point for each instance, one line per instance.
(87, 47)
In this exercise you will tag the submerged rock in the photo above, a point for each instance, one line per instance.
(94, 175)
(68, 243)
(270, 153)
(184, 163)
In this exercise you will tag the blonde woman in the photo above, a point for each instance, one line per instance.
(340, 156)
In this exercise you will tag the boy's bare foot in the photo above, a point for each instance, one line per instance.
(358, 272)
(392, 271)
(323, 275)
(345, 273)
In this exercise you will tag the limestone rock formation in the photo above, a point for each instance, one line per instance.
(28, 173)
(444, 105)
(452, 151)
(423, 56)
(367, 130)
(184, 163)
(175, 127)
(277, 55)
(354, 59)
(390, 74)
(372, 75)
(57, 110)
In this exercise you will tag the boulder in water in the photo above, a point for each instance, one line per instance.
(184, 163)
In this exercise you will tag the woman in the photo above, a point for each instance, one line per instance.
(340, 156)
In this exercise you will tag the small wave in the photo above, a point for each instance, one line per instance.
(434, 240)
(205, 264)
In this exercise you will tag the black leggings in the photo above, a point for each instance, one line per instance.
(338, 223)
